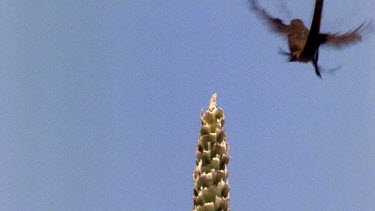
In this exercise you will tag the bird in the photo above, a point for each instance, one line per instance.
(304, 43)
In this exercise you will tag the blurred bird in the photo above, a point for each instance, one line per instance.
(303, 43)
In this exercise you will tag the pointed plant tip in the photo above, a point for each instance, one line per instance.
(213, 102)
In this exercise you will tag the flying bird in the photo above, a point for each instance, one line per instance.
(304, 43)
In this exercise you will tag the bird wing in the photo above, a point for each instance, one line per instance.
(340, 40)
(276, 24)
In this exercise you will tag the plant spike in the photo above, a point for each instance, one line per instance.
(211, 187)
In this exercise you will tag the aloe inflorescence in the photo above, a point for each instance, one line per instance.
(211, 187)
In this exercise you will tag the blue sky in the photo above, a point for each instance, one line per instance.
(100, 106)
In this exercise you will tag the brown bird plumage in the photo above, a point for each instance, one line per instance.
(304, 43)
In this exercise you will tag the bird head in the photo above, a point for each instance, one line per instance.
(297, 23)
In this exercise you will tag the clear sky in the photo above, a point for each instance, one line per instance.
(100, 104)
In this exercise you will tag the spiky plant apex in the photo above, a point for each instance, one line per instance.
(211, 187)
